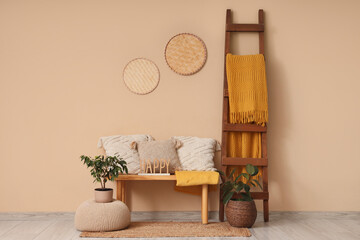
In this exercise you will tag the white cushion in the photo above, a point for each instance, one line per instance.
(101, 217)
(119, 146)
(197, 154)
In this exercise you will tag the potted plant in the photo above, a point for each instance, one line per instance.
(104, 169)
(240, 209)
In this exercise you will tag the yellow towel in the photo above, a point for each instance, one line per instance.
(191, 181)
(248, 103)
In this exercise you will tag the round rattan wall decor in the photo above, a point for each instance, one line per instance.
(141, 76)
(185, 53)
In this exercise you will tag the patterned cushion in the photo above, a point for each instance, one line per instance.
(159, 150)
(197, 154)
(119, 146)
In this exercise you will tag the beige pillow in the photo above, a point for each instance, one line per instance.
(197, 154)
(119, 145)
(156, 151)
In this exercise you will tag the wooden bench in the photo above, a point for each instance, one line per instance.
(121, 189)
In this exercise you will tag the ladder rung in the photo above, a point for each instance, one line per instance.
(256, 195)
(243, 128)
(243, 161)
(245, 27)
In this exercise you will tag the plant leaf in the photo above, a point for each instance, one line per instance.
(245, 197)
(227, 197)
(257, 182)
(104, 168)
(256, 171)
(246, 188)
(221, 173)
(232, 173)
(239, 187)
(245, 175)
(250, 169)
(226, 187)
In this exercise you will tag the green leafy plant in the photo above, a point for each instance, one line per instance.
(104, 168)
(232, 185)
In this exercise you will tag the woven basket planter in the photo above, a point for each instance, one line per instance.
(241, 213)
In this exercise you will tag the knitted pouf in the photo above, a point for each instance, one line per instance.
(100, 217)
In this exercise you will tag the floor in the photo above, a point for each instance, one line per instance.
(282, 225)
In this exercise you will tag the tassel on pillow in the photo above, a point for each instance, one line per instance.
(133, 145)
(178, 143)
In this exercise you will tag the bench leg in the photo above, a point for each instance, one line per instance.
(120, 191)
(123, 192)
(204, 204)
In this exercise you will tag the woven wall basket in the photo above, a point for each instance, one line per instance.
(141, 76)
(185, 54)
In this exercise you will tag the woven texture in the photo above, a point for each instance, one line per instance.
(247, 88)
(173, 229)
(119, 145)
(93, 216)
(141, 76)
(193, 178)
(197, 154)
(247, 104)
(185, 54)
(159, 150)
(241, 213)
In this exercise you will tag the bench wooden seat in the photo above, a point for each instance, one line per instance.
(121, 189)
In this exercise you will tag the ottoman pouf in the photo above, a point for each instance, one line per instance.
(100, 217)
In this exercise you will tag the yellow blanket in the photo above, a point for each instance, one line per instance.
(248, 103)
(191, 181)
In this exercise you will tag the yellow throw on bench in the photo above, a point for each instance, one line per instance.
(191, 181)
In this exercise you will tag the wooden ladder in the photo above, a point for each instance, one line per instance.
(227, 127)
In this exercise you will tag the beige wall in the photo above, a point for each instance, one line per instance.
(61, 88)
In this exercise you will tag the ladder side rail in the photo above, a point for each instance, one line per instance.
(264, 134)
(225, 113)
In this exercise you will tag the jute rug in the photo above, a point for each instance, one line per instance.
(172, 229)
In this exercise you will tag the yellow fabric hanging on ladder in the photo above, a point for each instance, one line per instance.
(244, 145)
(248, 103)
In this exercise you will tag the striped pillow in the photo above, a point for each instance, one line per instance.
(197, 154)
(119, 146)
